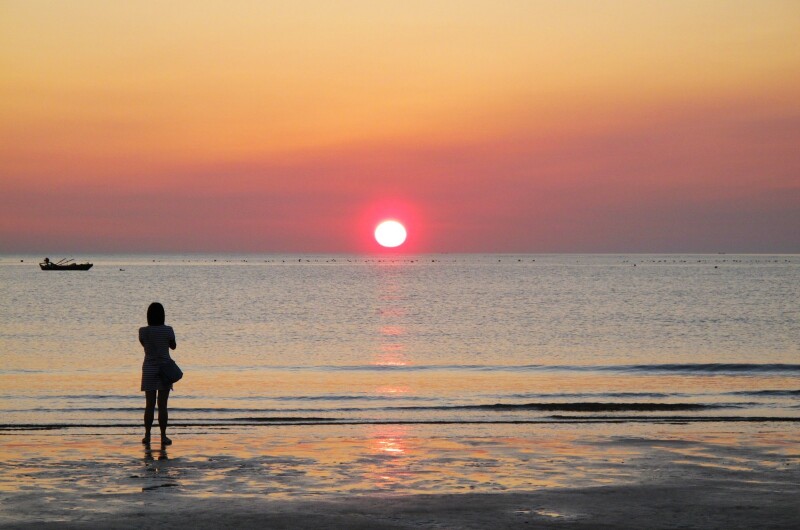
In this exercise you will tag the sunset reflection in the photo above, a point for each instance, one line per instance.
(392, 331)
(391, 355)
(390, 444)
(391, 311)
(391, 390)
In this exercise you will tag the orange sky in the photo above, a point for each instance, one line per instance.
(485, 126)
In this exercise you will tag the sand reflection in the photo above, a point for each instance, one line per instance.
(81, 468)
(391, 456)
(391, 440)
(158, 473)
(158, 454)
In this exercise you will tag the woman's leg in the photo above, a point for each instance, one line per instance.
(163, 416)
(149, 412)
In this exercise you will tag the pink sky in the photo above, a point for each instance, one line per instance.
(530, 127)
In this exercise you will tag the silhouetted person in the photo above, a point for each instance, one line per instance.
(157, 340)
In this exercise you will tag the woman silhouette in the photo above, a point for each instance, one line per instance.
(157, 340)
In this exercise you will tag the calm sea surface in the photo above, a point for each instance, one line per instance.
(434, 338)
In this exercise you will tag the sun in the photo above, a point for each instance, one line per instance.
(390, 234)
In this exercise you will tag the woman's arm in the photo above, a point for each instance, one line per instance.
(172, 343)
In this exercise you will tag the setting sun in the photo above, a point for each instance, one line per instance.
(390, 234)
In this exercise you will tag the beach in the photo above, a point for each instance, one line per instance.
(441, 391)
(421, 265)
(598, 475)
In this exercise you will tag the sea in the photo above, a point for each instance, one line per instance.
(392, 339)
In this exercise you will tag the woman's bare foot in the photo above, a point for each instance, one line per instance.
(146, 439)
(165, 440)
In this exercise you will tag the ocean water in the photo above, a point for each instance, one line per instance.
(276, 339)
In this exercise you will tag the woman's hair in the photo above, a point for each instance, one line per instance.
(155, 314)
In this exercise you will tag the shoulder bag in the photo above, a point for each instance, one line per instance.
(170, 372)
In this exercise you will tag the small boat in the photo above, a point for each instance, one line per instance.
(64, 265)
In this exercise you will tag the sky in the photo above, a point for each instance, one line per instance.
(483, 126)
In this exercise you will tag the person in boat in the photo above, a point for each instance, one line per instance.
(157, 339)
(46, 262)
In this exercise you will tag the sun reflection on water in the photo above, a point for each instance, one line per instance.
(391, 347)
(392, 455)
(391, 390)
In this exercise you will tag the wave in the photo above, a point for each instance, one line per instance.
(582, 406)
(289, 398)
(591, 406)
(659, 395)
(772, 393)
(214, 410)
(310, 421)
(357, 397)
(405, 398)
(699, 368)
(684, 368)
(622, 395)
(711, 368)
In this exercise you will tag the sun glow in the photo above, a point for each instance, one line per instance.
(390, 234)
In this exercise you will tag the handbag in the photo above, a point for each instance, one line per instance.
(169, 372)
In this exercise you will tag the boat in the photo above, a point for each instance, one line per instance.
(64, 265)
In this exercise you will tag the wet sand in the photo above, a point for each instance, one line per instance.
(716, 475)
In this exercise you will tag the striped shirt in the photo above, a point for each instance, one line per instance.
(156, 341)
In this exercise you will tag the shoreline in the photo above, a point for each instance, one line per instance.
(655, 475)
(278, 421)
